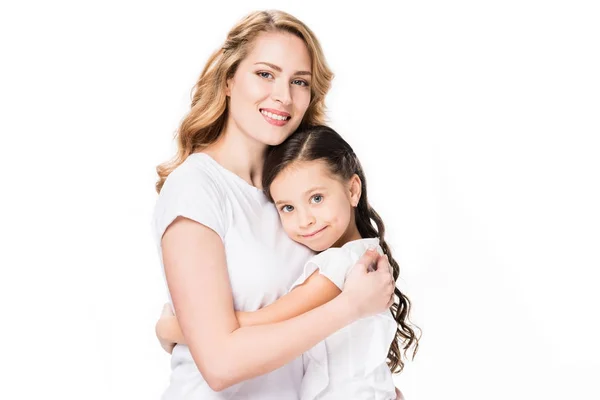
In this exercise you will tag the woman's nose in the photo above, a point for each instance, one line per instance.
(281, 93)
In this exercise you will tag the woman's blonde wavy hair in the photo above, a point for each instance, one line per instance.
(204, 123)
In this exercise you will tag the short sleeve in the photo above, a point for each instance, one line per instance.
(191, 193)
(334, 264)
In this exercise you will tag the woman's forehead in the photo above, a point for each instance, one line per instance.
(284, 50)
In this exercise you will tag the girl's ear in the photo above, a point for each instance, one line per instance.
(355, 190)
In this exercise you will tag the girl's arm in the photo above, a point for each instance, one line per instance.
(315, 291)
(224, 352)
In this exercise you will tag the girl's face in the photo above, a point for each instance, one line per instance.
(270, 91)
(316, 208)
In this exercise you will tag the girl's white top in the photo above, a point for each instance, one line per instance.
(351, 363)
(261, 260)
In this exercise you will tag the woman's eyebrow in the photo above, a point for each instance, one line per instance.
(278, 68)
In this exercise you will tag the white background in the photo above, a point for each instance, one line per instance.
(477, 124)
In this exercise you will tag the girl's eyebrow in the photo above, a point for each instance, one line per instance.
(278, 69)
(313, 189)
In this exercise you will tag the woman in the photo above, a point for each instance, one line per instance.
(220, 240)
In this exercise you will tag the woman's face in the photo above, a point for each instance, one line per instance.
(270, 91)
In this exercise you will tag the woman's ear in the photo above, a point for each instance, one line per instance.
(355, 190)
(228, 87)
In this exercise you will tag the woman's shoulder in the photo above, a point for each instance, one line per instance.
(195, 181)
(195, 169)
(195, 174)
(193, 190)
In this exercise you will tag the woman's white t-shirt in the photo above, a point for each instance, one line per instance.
(261, 260)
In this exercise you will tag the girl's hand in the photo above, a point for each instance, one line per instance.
(165, 316)
(370, 292)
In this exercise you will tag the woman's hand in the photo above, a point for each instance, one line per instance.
(162, 329)
(369, 291)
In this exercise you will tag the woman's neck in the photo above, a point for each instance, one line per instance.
(240, 154)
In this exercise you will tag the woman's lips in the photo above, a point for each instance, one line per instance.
(275, 117)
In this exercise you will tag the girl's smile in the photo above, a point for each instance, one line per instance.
(310, 235)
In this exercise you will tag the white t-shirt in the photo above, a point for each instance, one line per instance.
(351, 363)
(261, 260)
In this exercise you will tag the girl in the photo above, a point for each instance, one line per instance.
(220, 241)
(318, 186)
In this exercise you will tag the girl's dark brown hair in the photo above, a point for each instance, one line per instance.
(323, 143)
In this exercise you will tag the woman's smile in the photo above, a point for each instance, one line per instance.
(274, 117)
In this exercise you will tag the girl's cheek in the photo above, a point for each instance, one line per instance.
(288, 228)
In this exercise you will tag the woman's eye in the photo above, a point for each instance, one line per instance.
(266, 75)
(287, 209)
(299, 82)
(317, 198)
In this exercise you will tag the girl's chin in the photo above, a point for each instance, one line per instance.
(318, 247)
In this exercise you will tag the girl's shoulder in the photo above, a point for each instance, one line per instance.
(356, 248)
(336, 263)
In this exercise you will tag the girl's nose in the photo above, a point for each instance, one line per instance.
(306, 219)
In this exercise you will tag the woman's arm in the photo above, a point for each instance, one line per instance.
(224, 352)
(315, 291)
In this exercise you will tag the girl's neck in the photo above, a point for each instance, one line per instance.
(348, 236)
(240, 154)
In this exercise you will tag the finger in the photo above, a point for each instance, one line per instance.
(389, 264)
(383, 264)
(369, 258)
(392, 298)
(390, 268)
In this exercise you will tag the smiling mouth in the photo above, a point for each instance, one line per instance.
(314, 233)
(278, 119)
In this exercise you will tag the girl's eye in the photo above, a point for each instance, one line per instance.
(266, 75)
(287, 208)
(299, 82)
(317, 198)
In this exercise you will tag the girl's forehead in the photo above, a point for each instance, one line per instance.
(300, 177)
(307, 169)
